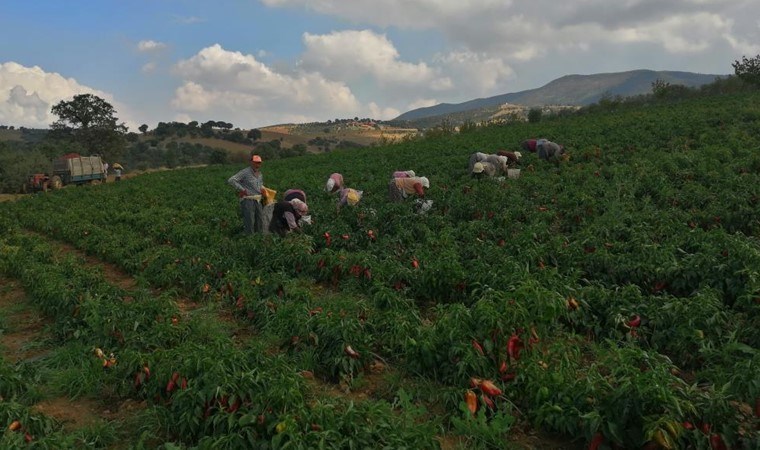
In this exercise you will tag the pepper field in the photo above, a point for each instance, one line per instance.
(608, 301)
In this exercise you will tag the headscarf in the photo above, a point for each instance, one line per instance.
(300, 207)
(330, 184)
(425, 182)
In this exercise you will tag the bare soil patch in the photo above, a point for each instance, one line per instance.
(21, 326)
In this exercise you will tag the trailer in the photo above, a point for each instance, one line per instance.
(75, 169)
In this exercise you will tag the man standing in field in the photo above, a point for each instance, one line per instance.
(249, 184)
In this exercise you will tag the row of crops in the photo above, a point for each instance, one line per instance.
(611, 300)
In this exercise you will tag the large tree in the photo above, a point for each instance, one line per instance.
(90, 122)
(748, 69)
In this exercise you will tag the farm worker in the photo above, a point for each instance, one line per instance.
(287, 215)
(546, 149)
(400, 188)
(334, 183)
(403, 174)
(105, 168)
(290, 194)
(512, 157)
(476, 157)
(348, 196)
(249, 184)
(499, 162)
(117, 168)
(484, 168)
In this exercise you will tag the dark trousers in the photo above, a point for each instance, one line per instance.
(252, 216)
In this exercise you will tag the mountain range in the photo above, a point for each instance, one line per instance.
(569, 90)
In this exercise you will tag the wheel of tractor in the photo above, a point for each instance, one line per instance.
(56, 182)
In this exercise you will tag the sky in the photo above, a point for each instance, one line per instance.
(255, 63)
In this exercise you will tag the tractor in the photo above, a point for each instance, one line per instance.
(68, 169)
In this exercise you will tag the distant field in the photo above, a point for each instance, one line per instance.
(10, 135)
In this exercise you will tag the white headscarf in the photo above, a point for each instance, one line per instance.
(410, 173)
(425, 182)
(330, 184)
(300, 206)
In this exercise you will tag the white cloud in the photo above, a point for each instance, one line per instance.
(482, 74)
(187, 20)
(150, 46)
(530, 31)
(353, 54)
(148, 67)
(236, 87)
(423, 103)
(380, 113)
(28, 93)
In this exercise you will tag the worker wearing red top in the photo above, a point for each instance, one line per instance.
(401, 188)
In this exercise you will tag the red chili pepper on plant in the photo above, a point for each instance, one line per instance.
(716, 442)
(351, 352)
(489, 388)
(514, 345)
(472, 401)
(487, 400)
(476, 345)
(634, 322)
(596, 441)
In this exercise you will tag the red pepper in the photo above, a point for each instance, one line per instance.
(514, 345)
(472, 401)
(508, 376)
(716, 442)
(351, 352)
(475, 382)
(415, 263)
(476, 345)
(596, 441)
(327, 238)
(487, 400)
(688, 425)
(634, 322)
(533, 337)
(503, 367)
(489, 388)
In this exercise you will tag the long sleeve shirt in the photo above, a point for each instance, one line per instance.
(410, 186)
(247, 180)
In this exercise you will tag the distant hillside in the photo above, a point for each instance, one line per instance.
(577, 90)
